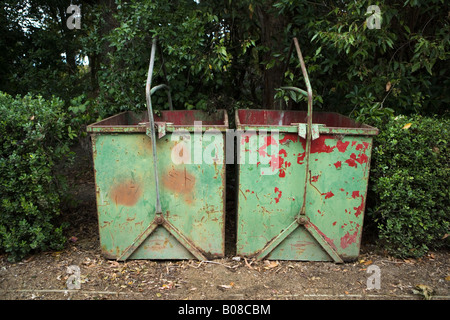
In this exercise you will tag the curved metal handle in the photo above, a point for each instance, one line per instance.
(307, 93)
(152, 124)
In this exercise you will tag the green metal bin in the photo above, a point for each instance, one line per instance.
(302, 183)
(191, 173)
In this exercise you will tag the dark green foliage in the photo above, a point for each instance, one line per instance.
(229, 54)
(33, 138)
(410, 185)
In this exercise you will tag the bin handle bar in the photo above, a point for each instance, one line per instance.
(307, 93)
(152, 123)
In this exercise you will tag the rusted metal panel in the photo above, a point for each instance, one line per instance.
(192, 193)
(272, 189)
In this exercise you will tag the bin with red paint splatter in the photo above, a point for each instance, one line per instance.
(276, 178)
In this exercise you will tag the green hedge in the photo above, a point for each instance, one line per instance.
(410, 185)
(33, 138)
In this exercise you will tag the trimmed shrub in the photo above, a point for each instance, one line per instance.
(410, 185)
(33, 139)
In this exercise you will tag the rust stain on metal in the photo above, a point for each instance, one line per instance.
(181, 182)
(126, 193)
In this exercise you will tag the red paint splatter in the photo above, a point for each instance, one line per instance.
(277, 162)
(338, 164)
(364, 146)
(348, 239)
(258, 163)
(277, 199)
(342, 146)
(360, 208)
(351, 162)
(341, 189)
(353, 143)
(289, 136)
(301, 157)
(247, 190)
(315, 178)
(328, 195)
(362, 158)
(334, 223)
(319, 146)
(355, 194)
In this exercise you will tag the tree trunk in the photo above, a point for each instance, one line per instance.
(272, 35)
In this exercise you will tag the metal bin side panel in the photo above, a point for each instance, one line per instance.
(192, 197)
(335, 196)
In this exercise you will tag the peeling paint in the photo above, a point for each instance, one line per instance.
(277, 199)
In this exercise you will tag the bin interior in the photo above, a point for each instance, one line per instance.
(177, 118)
(286, 118)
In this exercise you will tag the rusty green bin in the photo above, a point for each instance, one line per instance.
(160, 181)
(191, 175)
(302, 183)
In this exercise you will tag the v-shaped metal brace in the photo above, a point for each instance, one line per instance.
(328, 246)
(161, 221)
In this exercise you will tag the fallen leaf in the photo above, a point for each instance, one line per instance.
(368, 263)
(406, 126)
(158, 295)
(270, 264)
(423, 290)
(226, 286)
(409, 261)
(447, 278)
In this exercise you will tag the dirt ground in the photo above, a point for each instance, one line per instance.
(44, 276)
